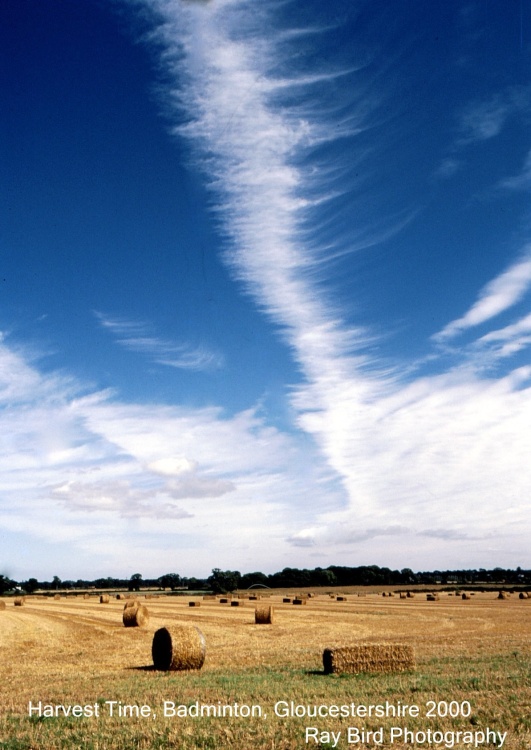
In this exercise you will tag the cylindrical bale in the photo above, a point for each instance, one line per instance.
(432, 597)
(105, 598)
(503, 595)
(341, 598)
(86, 596)
(178, 647)
(410, 595)
(523, 595)
(465, 595)
(223, 600)
(18, 601)
(2, 604)
(120, 596)
(403, 595)
(237, 603)
(135, 617)
(56, 596)
(131, 603)
(194, 604)
(285, 600)
(264, 615)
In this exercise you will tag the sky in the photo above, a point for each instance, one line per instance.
(265, 285)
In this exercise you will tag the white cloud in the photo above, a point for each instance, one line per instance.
(497, 296)
(136, 336)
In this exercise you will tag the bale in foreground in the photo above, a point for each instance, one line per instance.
(178, 647)
(369, 657)
(263, 615)
(135, 617)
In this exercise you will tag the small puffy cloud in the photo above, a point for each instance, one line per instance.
(173, 466)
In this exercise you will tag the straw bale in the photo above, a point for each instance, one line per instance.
(223, 600)
(131, 603)
(503, 595)
(253, 597)
(237, 603)
(432, 597)
(178, 647)
(2, 604)
(403, 595)
(86, 596)
(209, 597)
(18, 601)
(105, 598)
(299, 601)
(384, 593)
(369, 657)
(286, 600)
(362, 594)
(57, 596)
(194, 604)
(523, 595)
(263, 615)
(135, 617)
(410, 595)
(465, 595)
(341, 598)
(120, 596)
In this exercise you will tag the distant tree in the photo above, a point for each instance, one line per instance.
(169, 581)
(6, 584)
(31, 585)
(56, 583)
(135, 581)
(223, 581)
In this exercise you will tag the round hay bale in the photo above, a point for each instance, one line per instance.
(264, 615)
(285, 600)
(432, 597)
(523, 595)
(178, 647)
(465, 595)
(194, 604)
(410, 595)
(135, 617)
(105, 599)
(503, 595)
(18, 601)
(237, 603)
(341, 599)
(2, 604)
(120, 596)
(403, 595)
(131, 603)
(223, 600)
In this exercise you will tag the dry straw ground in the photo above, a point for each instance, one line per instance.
(75, 651)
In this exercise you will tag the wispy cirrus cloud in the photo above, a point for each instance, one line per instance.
(137, 337)
(405, 451)
(497, 296)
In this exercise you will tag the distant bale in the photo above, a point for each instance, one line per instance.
(131, 603)
(223, 600)
(135, 617)
(410, 595)
(263, 615)
(2, 604)
(503, 595)
(86, 596)
(120, 596)
(286, 600)
(403, 595)
(369, 657)
(194, 604)
(341, 598)
(523, 595)
(253, 597)
(209, 597)
(105, 598)
(178, 647)
(384, 593)
(18, 601)
(237, 603)
(362, 594)
(432, 597)
(56, 596)
(465, 595)
(297, 600)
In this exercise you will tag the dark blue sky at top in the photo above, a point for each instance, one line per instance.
(103, 210)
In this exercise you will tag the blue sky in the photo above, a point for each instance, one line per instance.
(266, 274)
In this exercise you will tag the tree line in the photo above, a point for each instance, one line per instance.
(223, 581)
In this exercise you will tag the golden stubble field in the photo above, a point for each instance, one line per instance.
(76, 651)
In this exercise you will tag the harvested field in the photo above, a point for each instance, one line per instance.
(74, 651)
